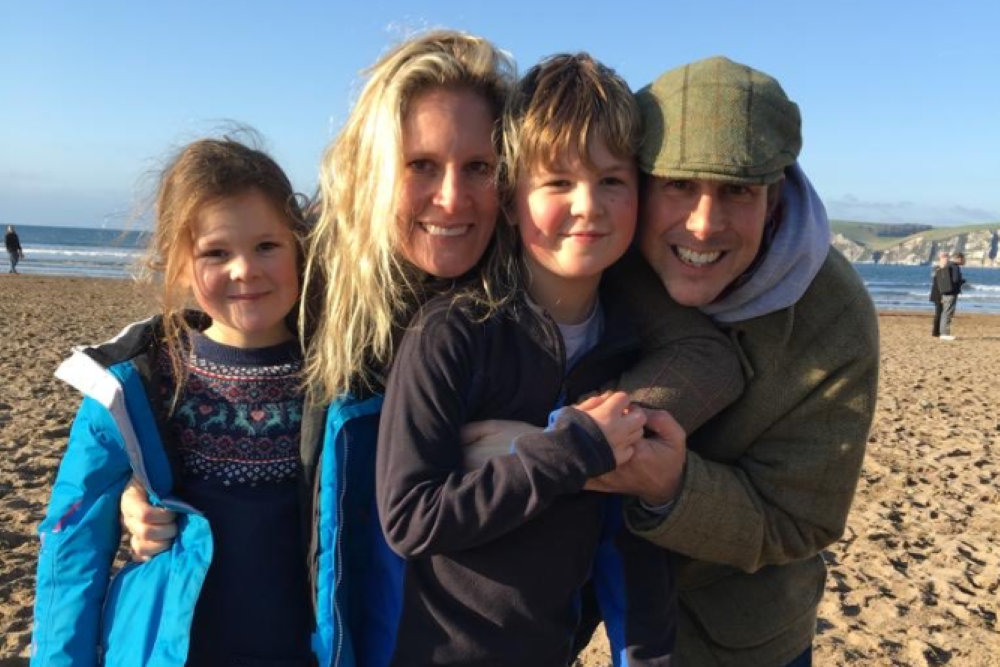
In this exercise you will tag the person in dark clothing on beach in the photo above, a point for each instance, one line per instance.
(935, 297)
(949, 281)
(13, 244)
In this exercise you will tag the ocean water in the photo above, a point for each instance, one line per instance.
(909, 288)
(107, 253)
(76, 251)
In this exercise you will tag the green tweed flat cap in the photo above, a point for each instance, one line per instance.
(715, 119)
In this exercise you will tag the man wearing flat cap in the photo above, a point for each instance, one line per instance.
(731, 225)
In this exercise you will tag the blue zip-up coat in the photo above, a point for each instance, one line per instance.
(143, 616)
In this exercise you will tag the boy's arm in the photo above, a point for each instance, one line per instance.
(688, 366)
(427, 504)
(79, 538)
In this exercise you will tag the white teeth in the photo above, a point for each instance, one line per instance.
(435, 230)
(693, 258)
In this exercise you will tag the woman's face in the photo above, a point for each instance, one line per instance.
(448, 204)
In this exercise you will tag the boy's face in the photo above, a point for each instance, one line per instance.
(575, 221)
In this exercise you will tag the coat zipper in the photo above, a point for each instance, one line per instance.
(338, 550)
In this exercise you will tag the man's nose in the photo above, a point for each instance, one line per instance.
(705, 218)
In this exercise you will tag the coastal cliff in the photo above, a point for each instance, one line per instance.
(915, 245)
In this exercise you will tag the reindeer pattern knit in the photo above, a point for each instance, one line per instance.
(238, 417)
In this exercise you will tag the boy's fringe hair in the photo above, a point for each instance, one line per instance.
(358, 287)
(560, 106)
(201, 173)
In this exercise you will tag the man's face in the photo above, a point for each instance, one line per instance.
(943, 259)
(700, 235)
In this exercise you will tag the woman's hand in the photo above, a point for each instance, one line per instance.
(152, 529)
(482, 441)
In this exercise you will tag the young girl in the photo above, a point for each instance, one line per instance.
(498, 556)
(204, 408)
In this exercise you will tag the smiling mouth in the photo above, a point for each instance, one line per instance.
(438, 230)
(696, 259)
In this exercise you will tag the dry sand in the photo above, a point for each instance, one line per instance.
(914, 581)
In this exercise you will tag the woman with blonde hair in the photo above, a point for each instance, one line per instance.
(408, 196)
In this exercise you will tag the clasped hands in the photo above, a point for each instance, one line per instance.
(650, 447)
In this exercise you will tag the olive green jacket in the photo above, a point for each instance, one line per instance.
(769, 481)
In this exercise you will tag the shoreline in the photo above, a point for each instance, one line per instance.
(915, 579)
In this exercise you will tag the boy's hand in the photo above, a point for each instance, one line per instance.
(619, 420)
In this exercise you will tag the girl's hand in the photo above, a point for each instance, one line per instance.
(620, 421)
(482, 441)
(152, 529)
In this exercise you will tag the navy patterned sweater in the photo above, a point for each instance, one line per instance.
(236, 430)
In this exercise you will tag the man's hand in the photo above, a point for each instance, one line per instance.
(654, 472)
(152, 529)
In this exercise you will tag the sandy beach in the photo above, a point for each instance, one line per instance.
(914, 581)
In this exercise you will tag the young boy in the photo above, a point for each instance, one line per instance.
(497, 556)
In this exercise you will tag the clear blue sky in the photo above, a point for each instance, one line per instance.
(900, 99)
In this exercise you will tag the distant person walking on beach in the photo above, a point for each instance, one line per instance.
(935, 297)
(948, 280)
(205, 409)
(14, 251)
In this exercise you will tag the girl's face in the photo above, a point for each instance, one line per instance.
(244, 270)
(448, 204)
